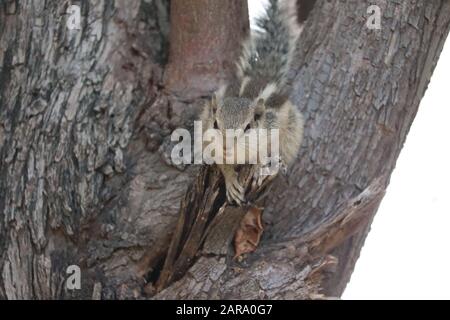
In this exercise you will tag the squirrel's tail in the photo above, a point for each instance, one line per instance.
(267, 57)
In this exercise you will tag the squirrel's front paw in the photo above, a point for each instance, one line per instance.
(262, 173)
(235, 192)
(259, 176)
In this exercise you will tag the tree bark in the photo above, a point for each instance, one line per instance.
(85, 123)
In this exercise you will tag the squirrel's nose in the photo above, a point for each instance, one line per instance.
(228, 152)
(230, 140)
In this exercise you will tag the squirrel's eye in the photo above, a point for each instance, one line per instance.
(215, 125)
(247, 128)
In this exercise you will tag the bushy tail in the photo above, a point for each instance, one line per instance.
(267, 57)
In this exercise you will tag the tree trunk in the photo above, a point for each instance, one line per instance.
(85, 123)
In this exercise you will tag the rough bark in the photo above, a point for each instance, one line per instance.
(205, 41)
(74, 181)
(84, 123)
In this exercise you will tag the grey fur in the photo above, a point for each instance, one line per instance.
(258, 97)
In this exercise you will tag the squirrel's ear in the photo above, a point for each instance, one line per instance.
(260, 106)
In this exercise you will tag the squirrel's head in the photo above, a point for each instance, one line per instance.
(242, 116)
(237, 113)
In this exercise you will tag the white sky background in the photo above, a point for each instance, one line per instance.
(406, 254)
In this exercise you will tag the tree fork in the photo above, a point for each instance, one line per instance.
(84, 116)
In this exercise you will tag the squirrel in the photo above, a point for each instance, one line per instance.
(257, 96)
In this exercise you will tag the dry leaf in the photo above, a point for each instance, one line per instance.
(249, 233)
